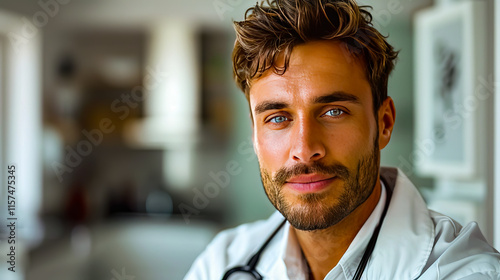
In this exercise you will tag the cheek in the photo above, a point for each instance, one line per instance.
(272, 150)
(349, 142)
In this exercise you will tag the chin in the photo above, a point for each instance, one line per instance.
(312, 215)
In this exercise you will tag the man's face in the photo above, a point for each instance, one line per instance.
(316, 136)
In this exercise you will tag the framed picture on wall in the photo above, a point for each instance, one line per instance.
(449, 43)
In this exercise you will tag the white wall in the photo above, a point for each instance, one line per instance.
(21, 135)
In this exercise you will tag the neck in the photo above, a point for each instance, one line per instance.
(323, 249)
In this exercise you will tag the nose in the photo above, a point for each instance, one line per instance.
(307, 142)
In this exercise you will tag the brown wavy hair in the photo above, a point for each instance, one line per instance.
(273, 27)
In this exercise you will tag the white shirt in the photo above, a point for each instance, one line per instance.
(413, 243)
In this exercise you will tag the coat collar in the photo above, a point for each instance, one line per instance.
(407, 234)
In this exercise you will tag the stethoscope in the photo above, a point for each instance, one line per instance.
(250, 269)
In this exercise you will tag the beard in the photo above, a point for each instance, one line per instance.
(317, 210)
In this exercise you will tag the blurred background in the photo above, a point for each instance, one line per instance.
(131, 144)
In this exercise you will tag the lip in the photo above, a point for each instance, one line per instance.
(310, 182)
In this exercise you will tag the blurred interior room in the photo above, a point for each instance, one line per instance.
(132, 145)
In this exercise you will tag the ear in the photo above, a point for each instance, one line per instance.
(386, 119)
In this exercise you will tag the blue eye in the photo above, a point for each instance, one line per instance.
(278, 119)
(334, 112)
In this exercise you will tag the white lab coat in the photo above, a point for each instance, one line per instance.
(414, 243)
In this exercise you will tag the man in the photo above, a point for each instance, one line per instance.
(315, 75)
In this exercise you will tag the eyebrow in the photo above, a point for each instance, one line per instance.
(337, 96)
(329, 98)
(269, 105)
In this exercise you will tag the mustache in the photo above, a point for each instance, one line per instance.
(285, 173)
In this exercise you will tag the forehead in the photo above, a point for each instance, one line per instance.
(320, 67)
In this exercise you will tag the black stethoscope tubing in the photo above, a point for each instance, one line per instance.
(252, 263)
(250, 267)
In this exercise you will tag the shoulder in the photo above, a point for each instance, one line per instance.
(232, 247)
(461, 251)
